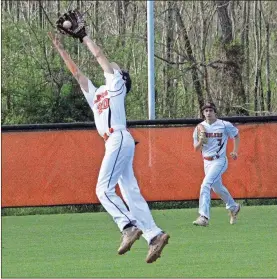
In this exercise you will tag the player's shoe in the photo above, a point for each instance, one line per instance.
(156, 246)
(129, 236)
(234, 215)
(201, 221)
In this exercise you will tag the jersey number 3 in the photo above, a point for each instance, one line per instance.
(103, 105)
(219, 142)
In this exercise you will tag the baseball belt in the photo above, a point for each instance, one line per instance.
(211, 158)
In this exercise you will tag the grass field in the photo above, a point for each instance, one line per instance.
(85, 245)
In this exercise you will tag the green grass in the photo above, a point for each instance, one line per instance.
(85, 245)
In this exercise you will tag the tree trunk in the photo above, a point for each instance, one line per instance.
(260, 42)
(225, 22)
(121, 12)
(268, 69)
(76, 47)
(204, 32)
(58, 8)
(17, 10)
(232, 70)
(195, 78)
(233, 19)
(168, 56)
(164, 66)
(5, 6)
(257, 59)
(134, 21)
(96, 18)
(40, 16)
(185, 93)
(245, 47)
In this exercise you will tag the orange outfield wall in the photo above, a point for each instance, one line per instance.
(61, 167)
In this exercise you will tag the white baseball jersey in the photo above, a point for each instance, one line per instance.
(217, 134)
(107, 103)
(108, 106)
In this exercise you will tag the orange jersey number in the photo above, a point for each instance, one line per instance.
(104, 104)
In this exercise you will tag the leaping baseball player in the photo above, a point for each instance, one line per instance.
(108, 105)
(210, 137)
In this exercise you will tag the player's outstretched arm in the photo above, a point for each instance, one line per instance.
(234, 153)
(99, 55)
(80, 77)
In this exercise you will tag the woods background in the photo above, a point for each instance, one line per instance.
(224, 51)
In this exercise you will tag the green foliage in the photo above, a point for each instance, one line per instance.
(81, 208)
(38, 88)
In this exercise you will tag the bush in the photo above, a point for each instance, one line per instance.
(82, 208)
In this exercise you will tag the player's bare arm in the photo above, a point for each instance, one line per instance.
(79, 76)
(99, 55)
(199, 145)
(234, 153)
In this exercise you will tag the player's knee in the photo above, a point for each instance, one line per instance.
(205, 187)
(100, 193)
(103, 192)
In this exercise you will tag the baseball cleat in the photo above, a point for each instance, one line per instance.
(129, 236)
(201, 221)
(234, 215)
(156, 246)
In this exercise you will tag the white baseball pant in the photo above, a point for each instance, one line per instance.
(213, 172)
(117, 167)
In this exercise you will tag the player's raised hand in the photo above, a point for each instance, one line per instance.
(55, 40)
(234, 155)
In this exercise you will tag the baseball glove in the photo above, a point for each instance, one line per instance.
(77, 29)
(201, 134)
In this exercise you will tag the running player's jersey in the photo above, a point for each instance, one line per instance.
(108, 103)
(217, 134)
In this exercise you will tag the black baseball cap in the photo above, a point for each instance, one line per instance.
(210, 105)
